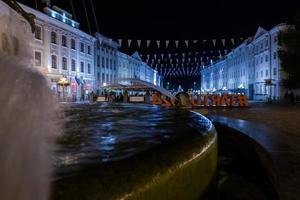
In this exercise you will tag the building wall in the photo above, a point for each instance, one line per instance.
(106, 61)
(76, 63)
(247, 67)
(132, 67)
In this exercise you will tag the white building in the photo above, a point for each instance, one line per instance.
(133, 67)
(248, 68)
(61, 50)
(106, 61)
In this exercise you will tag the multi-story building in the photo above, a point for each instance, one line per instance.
(74, 62)
(252, 68)
(62, 51)
(106, 59)
(133, 67)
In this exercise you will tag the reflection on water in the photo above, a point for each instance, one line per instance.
(101, 133)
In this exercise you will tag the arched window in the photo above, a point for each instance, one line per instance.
(54, 61)
(53, 37)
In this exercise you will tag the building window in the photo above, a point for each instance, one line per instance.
(73, 65)
(261, 59)
(267, 58)
(81, 47)
(267, 72)
(38, 33)
(73, 44)
(275, 39)
(103, 77)
(98, 76)
(274, 71)
(89, 50)
(110, 62)
(107, 63)
(103, 62)
(89, 68)
(64, 41)
(82, 67)
(38, 58)
(261, 74)
(274, 55)
(64, 63)
(53, 37)
(267, 43)
(54, 61)
(98, 61)
(107, 78)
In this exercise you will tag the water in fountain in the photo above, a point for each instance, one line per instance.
(26, 117)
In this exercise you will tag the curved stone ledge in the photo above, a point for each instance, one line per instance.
(275, 151)
(183, 169)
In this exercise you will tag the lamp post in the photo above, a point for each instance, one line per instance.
(194, 85)
(64, 82)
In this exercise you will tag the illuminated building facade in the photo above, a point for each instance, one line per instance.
(106, 61)
(61, 50)
(133, 67)
(253, 68)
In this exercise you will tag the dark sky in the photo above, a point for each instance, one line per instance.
(179, 20)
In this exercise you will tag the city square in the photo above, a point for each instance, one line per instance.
(149, 100)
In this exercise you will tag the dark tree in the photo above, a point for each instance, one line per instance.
(289, 54)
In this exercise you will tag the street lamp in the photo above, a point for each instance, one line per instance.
(63, 81)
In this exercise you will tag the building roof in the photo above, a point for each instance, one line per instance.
(260, 31)
(137, 56)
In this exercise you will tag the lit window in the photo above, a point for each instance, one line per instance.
(64, 40)
(98, 61)
(274, 55)
(89, 68)
(73, 65)
(82, 67)
(64, 63)
(73, 44)
(81, 47)
(38, 58)
(38, 33)
(53, 37)
(274, 71)
(54, 61)
(89, 50)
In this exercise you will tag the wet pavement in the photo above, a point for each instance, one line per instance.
(276, 128)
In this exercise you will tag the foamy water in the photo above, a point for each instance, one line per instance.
(26, 116)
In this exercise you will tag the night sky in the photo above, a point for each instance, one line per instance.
(179, 20)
